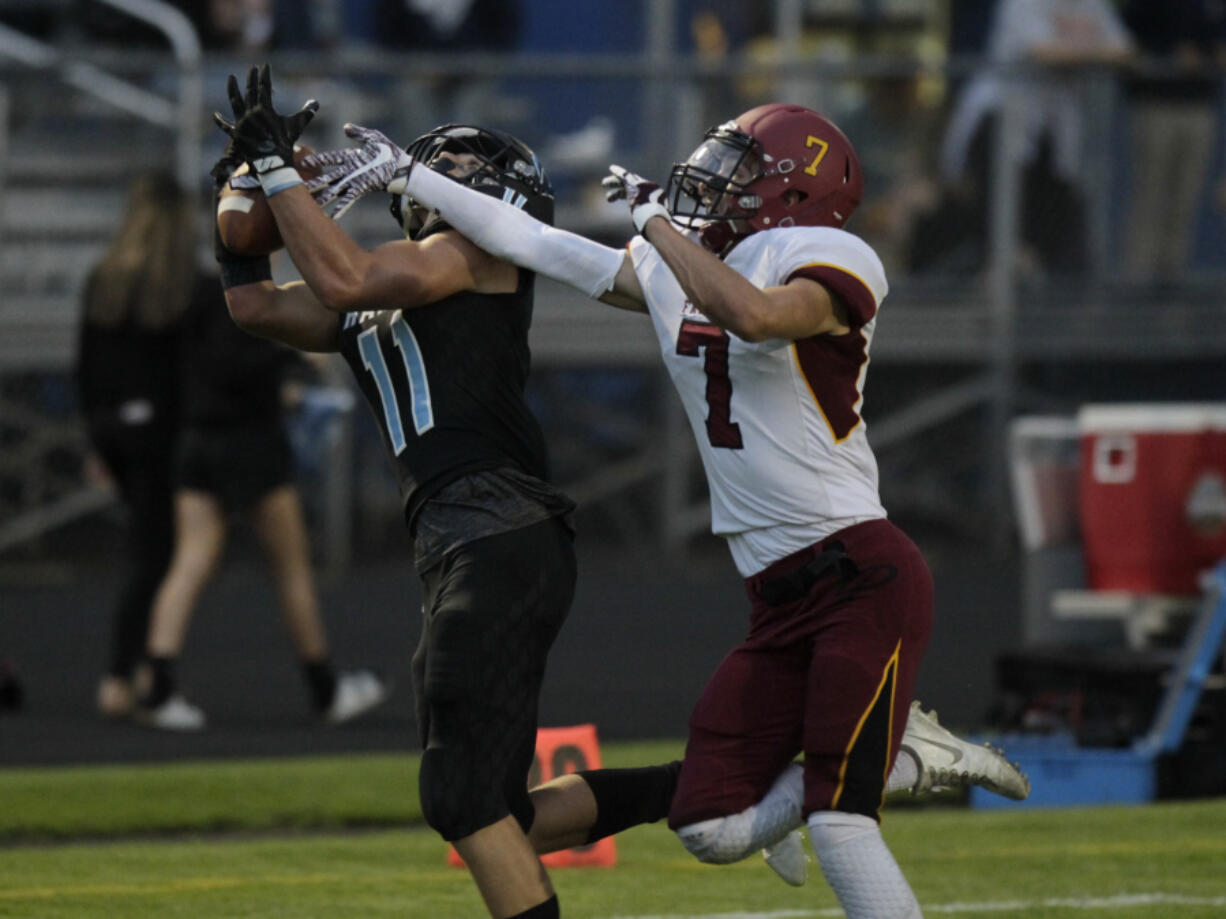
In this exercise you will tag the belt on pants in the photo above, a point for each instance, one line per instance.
(796, 584)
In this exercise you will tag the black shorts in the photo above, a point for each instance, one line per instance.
(491, 611)
(235, 466)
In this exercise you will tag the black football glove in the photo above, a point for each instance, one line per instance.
(261, 137)
(230, 160)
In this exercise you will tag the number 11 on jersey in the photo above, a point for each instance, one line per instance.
(415, 374)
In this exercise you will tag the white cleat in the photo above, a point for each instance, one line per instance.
(945, 760)
(357, 692)
(788, 859)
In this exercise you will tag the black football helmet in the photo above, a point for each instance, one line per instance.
(774, 166)
(492, 162)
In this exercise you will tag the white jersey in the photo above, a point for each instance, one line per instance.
(777, 422)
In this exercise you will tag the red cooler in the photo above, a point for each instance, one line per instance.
(1152, 495)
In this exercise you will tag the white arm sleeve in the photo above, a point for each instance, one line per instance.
(505, 231)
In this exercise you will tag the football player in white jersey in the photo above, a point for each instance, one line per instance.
(764, 308)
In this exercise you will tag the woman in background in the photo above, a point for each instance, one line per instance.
(186, 412)
(233, 461)
(128, 374)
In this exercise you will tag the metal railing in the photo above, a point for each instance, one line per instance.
(181, 117)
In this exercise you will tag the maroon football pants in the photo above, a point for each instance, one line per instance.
(827, 669)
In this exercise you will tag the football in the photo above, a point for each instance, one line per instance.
(244, 218)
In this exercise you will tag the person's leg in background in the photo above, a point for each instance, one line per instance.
(1053, 216)
(12, 692)
(142, 473)
(1171, 147)
(280, 526)
(200, 536)
(1193, 128)
(1143, 242)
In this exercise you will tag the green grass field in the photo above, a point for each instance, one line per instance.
(339, 837)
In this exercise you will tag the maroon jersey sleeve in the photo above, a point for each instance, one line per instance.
(861, 305)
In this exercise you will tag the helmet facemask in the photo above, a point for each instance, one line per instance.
(488, 161)
(711, 192)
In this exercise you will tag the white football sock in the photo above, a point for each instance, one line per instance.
(723, 840)
(779, 811)
(859, 868)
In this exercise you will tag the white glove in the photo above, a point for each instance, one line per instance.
(346, 176)
(646, 198)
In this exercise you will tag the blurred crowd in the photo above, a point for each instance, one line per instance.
(1113, 107)
(260, 26)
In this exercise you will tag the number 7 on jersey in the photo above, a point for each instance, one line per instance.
(711, 342)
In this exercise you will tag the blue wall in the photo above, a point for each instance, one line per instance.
(576, 26)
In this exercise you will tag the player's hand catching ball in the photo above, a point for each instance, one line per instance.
(263, 138)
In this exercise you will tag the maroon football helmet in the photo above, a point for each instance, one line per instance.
(737, 181)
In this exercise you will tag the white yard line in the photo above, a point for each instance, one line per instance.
(1121, 901)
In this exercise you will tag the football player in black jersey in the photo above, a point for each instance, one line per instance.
(435, 331)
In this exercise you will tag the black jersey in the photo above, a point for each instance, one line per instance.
(446, 384)
(124, 365)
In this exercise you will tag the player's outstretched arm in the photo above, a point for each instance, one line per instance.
(793, 311)
(494, 226)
